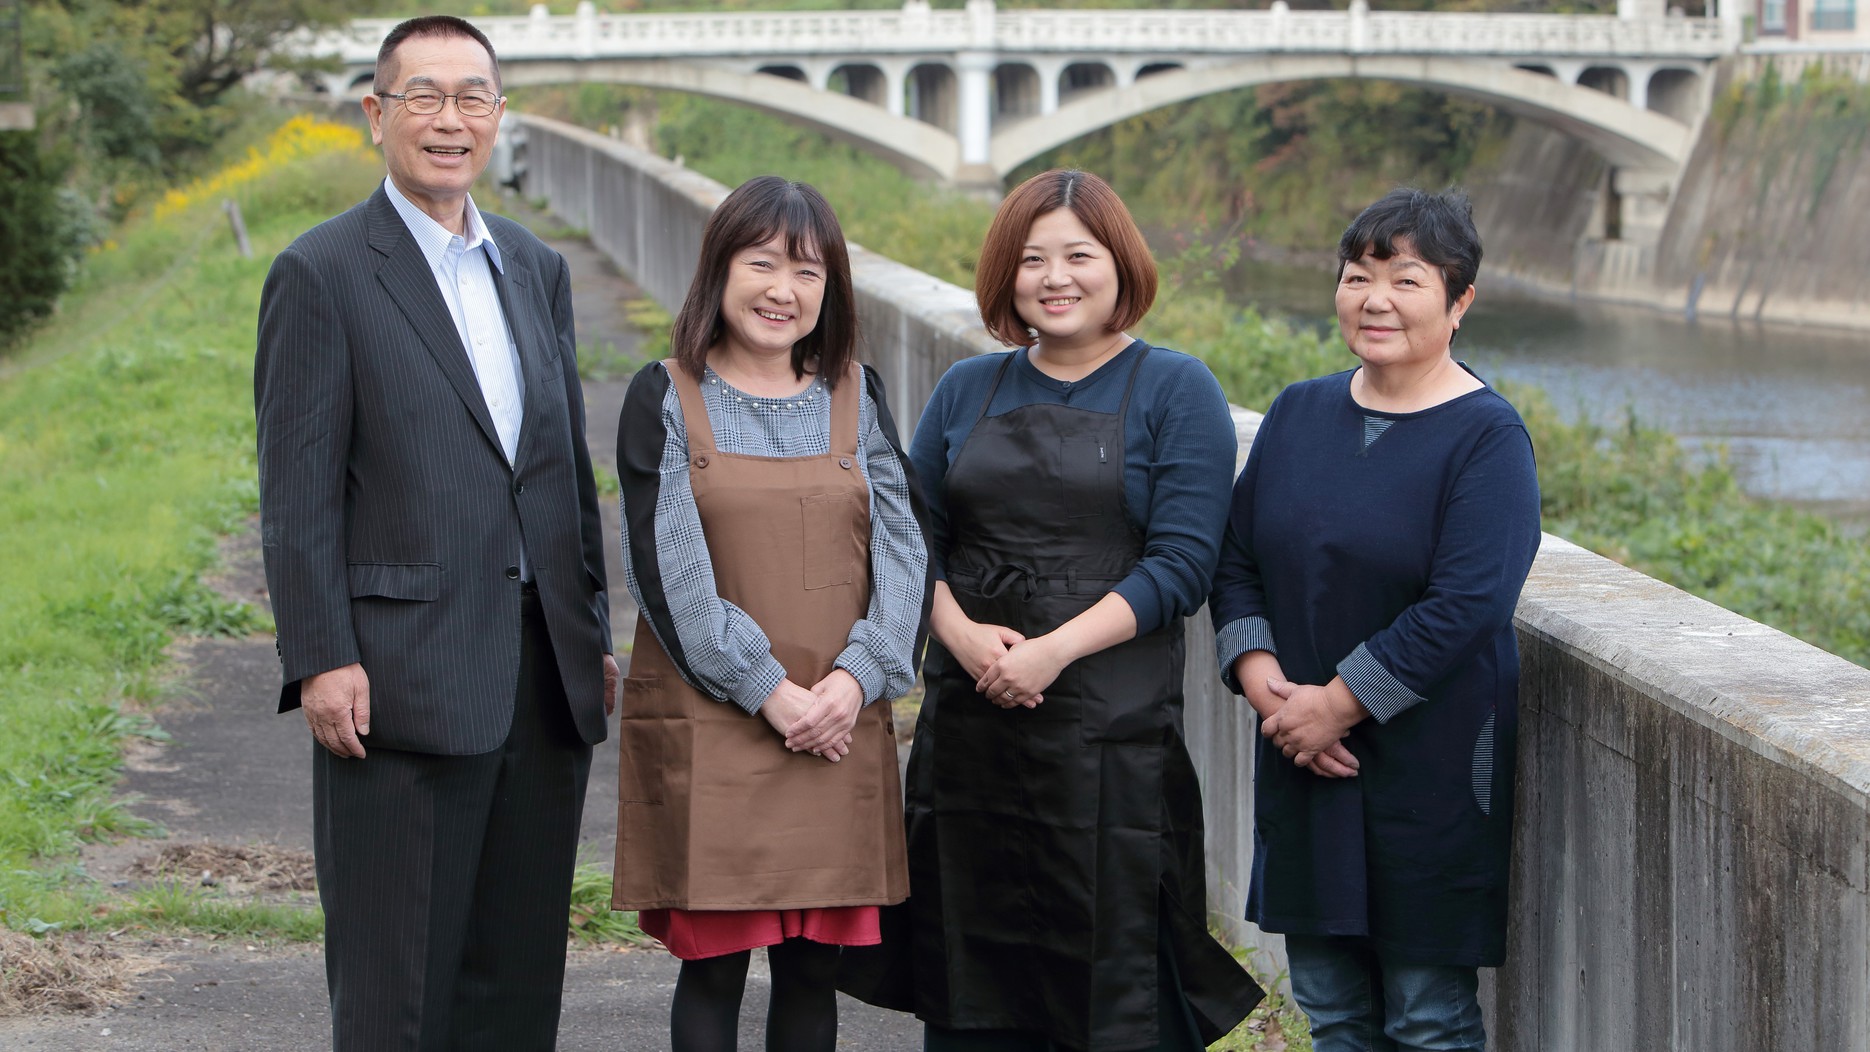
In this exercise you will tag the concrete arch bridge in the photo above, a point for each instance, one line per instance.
(966, 96)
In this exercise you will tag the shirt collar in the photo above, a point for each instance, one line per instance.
(432, 237)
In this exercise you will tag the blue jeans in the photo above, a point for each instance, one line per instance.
(1360, 1002)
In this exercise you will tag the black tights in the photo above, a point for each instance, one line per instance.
(801, 1017)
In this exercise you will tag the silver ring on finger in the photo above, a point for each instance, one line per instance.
(1009, 695)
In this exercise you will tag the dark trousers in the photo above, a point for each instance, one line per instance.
(446, 880)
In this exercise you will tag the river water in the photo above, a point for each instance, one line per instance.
(1791, 406)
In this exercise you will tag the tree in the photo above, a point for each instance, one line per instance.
(43, 232)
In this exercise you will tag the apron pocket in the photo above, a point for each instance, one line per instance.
(1084, 464)
(641, 747)
(830, 539)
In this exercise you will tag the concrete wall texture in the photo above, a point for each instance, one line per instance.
(1692, 853)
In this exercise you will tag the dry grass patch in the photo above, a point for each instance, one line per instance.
(236, 867)
(60, 973)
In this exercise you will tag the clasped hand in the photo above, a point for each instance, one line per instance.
(819, 720)
(1310, 723)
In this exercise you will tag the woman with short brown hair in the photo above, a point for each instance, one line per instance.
(1077, 488)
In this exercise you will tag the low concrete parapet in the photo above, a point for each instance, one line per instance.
(1691, 862)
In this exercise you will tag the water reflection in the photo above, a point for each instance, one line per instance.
(1791, 405)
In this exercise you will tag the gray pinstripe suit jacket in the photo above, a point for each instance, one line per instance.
(390, 519)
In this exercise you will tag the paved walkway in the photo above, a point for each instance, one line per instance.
(237, 774)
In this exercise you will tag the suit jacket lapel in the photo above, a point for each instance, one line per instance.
(405, 275)
(514, 286)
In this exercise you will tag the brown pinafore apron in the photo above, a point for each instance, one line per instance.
(714, 812)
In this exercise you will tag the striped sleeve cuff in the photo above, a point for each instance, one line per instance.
(1236, 638)
(1374, 687)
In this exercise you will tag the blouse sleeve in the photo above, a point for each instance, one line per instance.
(1489, 536)
(716, 646)
(1191, 463)
(1238, 603)
(883, 646)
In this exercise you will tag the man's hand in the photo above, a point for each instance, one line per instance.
(611, 676)
(337, 705)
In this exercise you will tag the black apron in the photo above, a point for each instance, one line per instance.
(1050, 847)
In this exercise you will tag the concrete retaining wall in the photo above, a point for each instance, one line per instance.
(1690, 864)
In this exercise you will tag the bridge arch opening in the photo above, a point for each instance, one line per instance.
(1608, 79)
(789, 72)
(1080, 77)
(934, 96)
(361, 82)
(1543, 71)
(1675, 93)
(861, 80)
(1152, 68)
(1016, 91)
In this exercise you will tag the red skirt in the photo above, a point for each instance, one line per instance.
(694, 934)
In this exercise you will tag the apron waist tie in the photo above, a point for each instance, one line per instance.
(1004, 578)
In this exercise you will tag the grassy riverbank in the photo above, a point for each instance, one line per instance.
(1629, 492)
(126, 449)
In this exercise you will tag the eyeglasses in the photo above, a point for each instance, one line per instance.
(424, 101)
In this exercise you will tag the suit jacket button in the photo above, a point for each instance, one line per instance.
(512, 573)
(519, 488)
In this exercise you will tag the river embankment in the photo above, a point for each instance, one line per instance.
(1769, 220)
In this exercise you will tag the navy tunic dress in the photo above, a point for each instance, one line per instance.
(1389, 549)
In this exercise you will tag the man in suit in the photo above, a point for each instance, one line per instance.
(435, 559)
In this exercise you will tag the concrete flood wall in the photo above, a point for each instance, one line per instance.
(1690, 863)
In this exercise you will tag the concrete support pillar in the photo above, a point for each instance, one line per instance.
(1049, 72)
(1567, 72)
(1638, 74)
(818, 75)
(974, 71)
(1125, 73)
(893, 76)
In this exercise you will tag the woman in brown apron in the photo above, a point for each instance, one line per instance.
(773, 548)
(1077, 491)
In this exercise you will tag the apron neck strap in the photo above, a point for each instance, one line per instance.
(992, 388)
(694, 410)
(844, 399)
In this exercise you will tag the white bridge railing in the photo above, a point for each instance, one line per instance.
(589, 34)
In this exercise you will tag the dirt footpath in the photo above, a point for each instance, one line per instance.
(235, 776)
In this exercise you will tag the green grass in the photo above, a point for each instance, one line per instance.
(126, 448)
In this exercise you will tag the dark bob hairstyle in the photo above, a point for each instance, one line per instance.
(427, 26)
(1438, 228)
(1101, 211)
(762, 208)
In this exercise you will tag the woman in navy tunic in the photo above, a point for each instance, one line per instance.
(1376, 547)
(1077, 490)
